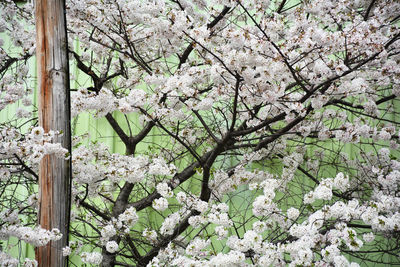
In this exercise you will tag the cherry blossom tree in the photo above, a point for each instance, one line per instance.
(256, 133)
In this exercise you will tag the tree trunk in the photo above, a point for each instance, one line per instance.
(54, 114)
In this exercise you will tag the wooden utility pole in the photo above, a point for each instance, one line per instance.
(54, 114)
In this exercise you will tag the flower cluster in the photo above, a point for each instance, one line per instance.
(35, 236)
(91, 258)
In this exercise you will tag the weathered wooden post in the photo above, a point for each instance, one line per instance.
(54, 114)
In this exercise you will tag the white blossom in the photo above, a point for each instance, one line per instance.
(112, 246)
(160, 204)
(91, 258)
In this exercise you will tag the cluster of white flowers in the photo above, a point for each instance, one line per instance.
(221, 231)
(130, 103)
(250, 240)
(219, 215)
(390, 181)
(42, 145)
(368, 237)
(164, 190)
(4, 174)
(8, 260)
(341, 182)
(35, 236)
(324, 190)
(167, 227)
(150, 234)
(66, 251)
(160, 204)
(32, 148)
(158, 166)
(30, 263)
(196, 246)
(112, 246)
(13, 22)
(108, 231)
(91, 258)
(102, 103)
(181, 197)
(264, 204)
(94, 163)
(293, 213)
(224, 183)
(232, 258)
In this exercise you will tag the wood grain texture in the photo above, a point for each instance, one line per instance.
(54, 114)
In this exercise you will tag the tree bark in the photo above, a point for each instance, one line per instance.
(54, 114)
